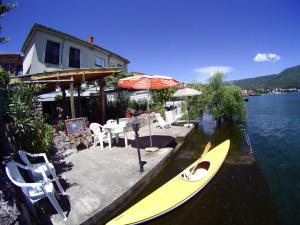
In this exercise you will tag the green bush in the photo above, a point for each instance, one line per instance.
(159, 108)
(226, 103)
(3, 93)
(61, 125)
(30, 131)
(138, 106)
(117, 108)
(233, 106)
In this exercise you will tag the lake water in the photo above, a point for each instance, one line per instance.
(247, 190)
(274, 130)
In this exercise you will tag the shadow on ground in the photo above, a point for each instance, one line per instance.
(158, 141)
(46, 210)
(62, 166)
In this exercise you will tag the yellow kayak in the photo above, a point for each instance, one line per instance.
(176, 191)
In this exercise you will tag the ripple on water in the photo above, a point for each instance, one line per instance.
(274, 130)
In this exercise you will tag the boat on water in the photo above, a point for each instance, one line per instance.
(178, 190)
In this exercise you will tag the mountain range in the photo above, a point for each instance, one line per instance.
(288, 78)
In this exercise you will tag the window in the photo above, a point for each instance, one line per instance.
(6, 66)
(74, 58)
(99, 61)
(52, 53)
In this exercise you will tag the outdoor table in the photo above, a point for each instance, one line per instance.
(116, 129)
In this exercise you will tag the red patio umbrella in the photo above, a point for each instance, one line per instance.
(147, 82)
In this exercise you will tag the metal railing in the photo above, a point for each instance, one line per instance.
(248, 141)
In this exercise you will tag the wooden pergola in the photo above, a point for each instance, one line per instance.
(68, 79)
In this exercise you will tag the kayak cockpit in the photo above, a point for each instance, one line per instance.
(201, 171)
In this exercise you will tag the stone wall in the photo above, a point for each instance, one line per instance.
(62, 141)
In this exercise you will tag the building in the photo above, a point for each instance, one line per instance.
(65, 64)
(47, 50)
(12, 62)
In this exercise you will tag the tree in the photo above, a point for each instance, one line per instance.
(5, 7)
(118, 107)
(3, 93)
(224, 103)
(160, 97)
(112, 81)
(233, 106)
(216, 90)
(30, 131)
(197, 104)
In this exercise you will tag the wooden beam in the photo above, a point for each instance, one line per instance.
(64, 102)
(65, 74)
(90, 74)
(44, 81)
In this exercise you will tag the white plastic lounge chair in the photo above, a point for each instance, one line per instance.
(47, 167)
(100, 133)
(34, 191)
(162, 123)
(170, 117)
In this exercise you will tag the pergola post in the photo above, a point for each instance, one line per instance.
(72, 98)
(64, 102)
(101, 101)
(78, 100)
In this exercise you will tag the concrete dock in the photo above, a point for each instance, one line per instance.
(97, 182)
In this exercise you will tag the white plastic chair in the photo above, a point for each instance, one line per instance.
(117, 129)
(47, 167)
(111, 122)
(162, 123)
(170, 117)
(100, 133)
(34, 191)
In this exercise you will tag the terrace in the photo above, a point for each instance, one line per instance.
(97, 182)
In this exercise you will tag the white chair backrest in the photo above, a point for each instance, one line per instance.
(13, 173)
(169, 116)
(159, 118)
(96, 128)
(15, 176)
(24, 158)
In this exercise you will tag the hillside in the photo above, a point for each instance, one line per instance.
(288, 78)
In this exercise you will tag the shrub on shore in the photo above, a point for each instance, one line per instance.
(30, 131)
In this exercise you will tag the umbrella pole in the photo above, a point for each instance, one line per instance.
(149, 118)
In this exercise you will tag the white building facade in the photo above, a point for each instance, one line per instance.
(46, 50)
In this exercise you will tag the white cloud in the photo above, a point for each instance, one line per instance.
(206, 72)
(266, 57)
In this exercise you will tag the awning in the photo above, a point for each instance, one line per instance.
(61, 78)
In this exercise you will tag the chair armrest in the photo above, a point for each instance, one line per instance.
(39, 155)
(39, 184)
(42, 171)
(34, 169)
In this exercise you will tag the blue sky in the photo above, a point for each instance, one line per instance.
(184, 39)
